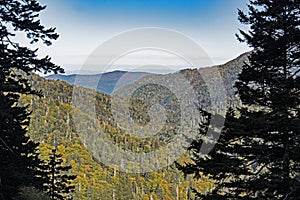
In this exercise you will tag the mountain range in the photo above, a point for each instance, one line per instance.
(104, 83)
(79, 121)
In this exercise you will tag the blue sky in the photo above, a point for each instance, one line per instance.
(83, 25)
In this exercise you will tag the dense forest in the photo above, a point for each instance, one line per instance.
(62, 141)
(52, 124)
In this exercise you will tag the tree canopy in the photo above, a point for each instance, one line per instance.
(257, 155)
(17, 62)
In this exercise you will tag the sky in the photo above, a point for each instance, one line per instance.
(84, 25)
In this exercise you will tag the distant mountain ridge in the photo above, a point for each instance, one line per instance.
(220, 78)
(109, 82)
(104, 83)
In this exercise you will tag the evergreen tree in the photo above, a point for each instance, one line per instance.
(16, 64)
(257, 155)
(31, 193)
(220, 160)
(57, 179)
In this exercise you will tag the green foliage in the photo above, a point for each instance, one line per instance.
(271, 83)
(256, 156)
(53, 123)
(31, 193)
(58, 182)
(17, 152)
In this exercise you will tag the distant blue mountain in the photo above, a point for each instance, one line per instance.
(105, 83)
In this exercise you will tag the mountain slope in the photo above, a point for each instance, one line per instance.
(104, 83)
(202, 81)
(74, 118)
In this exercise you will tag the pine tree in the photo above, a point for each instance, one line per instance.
(257, 155)
(57, 178)
(16, 64)
(271, 83)
(221, 159)
(31, 193)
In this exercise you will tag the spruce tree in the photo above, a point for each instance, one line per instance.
(17, 62)
(257, 155)
(57, 178)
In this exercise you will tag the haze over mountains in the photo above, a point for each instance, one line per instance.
(104, 83)
(109, 82)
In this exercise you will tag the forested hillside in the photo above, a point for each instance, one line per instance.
(54, 122)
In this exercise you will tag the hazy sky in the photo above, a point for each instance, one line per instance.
(83, 25)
